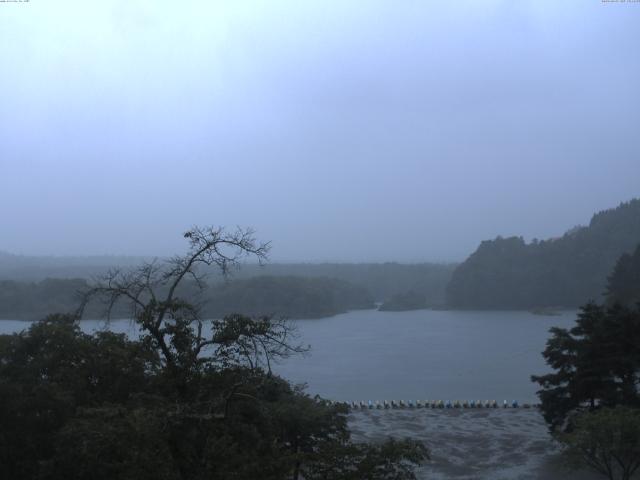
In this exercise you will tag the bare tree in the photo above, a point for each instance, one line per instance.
(174, 325)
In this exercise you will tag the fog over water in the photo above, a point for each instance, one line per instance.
(341, 131)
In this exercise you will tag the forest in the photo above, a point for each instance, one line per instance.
(505, 273)
(319, 240)
(31, 287)
(292, 297)
(508, 273)
(189, 399)
(381, 280)
(591, 398)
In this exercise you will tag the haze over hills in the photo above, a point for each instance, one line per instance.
(36, 268)
(292, 297)
(504, 273)
(31, 287)
(382, 280)
(563, 272)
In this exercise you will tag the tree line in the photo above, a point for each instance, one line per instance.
(562, 272)
(591, 400)
(190, 399)
(292, 297)
(380, 280)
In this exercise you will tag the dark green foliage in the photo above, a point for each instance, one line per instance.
(31, 301)
(596, 363)
(411, 300)
(624, 283)
(104, 443)
(189, 400)
(381, 280)
(391, 459)
(509, 273)
(51, 371)
(606, 441)
(293, 297)
(99, 406)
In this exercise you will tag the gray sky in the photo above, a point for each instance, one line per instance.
(339, 130)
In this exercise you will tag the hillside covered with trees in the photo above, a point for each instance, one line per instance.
(381, 280)
(562, 272)
(624, 282)
(292, 297)
(591, 399)
(30, 282)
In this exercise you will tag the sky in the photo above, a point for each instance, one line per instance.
(362, 130)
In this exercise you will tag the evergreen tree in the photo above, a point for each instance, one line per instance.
(596, 363)
(624, 283)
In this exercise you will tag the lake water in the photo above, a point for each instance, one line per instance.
(422, 354)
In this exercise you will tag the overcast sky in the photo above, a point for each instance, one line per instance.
(340, 130)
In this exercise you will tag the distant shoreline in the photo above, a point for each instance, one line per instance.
(555, 312)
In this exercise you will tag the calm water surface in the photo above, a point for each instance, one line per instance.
(423, 354)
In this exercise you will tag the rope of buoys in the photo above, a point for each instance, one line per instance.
(432, 404)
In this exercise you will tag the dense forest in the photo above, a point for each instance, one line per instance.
(35, 300)
(292, 297)
(624, 282)
(502, 273)
(510, 273)
(381, 281)
(591, 398)
(190, 399)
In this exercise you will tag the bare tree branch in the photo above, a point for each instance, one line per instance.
(151, 295)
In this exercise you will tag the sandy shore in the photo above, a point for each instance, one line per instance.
(472, 444)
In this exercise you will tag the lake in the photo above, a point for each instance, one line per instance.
(423, 354)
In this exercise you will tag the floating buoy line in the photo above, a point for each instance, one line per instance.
(433, 404)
